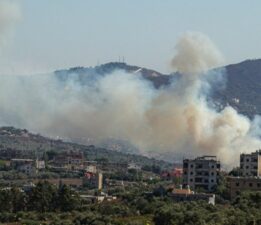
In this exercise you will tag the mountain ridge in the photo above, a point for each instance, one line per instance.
(242, 92)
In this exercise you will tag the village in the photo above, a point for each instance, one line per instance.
(193, 180)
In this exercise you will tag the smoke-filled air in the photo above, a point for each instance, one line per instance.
(177, 118)
(9, 15)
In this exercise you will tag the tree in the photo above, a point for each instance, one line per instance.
(67, 199)
(18, 200)
(42, 197)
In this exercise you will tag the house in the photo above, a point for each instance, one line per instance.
(201, 172)
(40, 164)
(239, 184)
(100, 198)
(91, 168)
(175, 173)
(9, 153)
(250, 164)
(70, 160)
(180, 194)
(27, 166)
(133, 166)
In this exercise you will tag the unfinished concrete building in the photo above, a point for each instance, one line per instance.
(201, 172)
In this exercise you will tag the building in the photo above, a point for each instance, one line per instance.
(250, 164)
(177, 172)
(69, 160)
(239, 184)
(133, 166)
(40, 164)
(9, 153)
(169, 175)
(26, 166)
(91, 169)
(180, 195)
(201, 173)
(93, 180)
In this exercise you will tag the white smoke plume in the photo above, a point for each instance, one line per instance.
(125, 106)
(10, 14)
(196, 54)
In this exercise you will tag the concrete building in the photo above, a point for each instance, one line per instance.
(239, 184)
(250, 164)
(70, 160)
(26, 166)
(202, 172)
(40, 164)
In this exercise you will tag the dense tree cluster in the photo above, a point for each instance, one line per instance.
(47, 204)
(44, 197)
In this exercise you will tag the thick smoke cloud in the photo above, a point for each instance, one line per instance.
(176, 119)
(196, 54)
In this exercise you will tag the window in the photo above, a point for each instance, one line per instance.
(191, 180)
(212, 181)
(212, 173)
(191, 173)
(254, 160)
(191, 166)
(258, 184)
(198, 179)
(250, 184)
(237, 184)
(247, 160)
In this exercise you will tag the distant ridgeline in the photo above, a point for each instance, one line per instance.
(242, 90)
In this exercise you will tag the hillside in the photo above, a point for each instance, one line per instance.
(243, 86)
(35, 144)
(243, 89)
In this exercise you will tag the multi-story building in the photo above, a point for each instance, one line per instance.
(24, 165)
(72, 160)
(250, 164)
(202, 172)
(240, 184)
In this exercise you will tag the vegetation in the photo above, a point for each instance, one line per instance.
(47, 204)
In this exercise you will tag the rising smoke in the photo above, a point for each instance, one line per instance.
(9, 16)
(125, 106)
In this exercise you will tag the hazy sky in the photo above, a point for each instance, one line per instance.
(61, 34)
